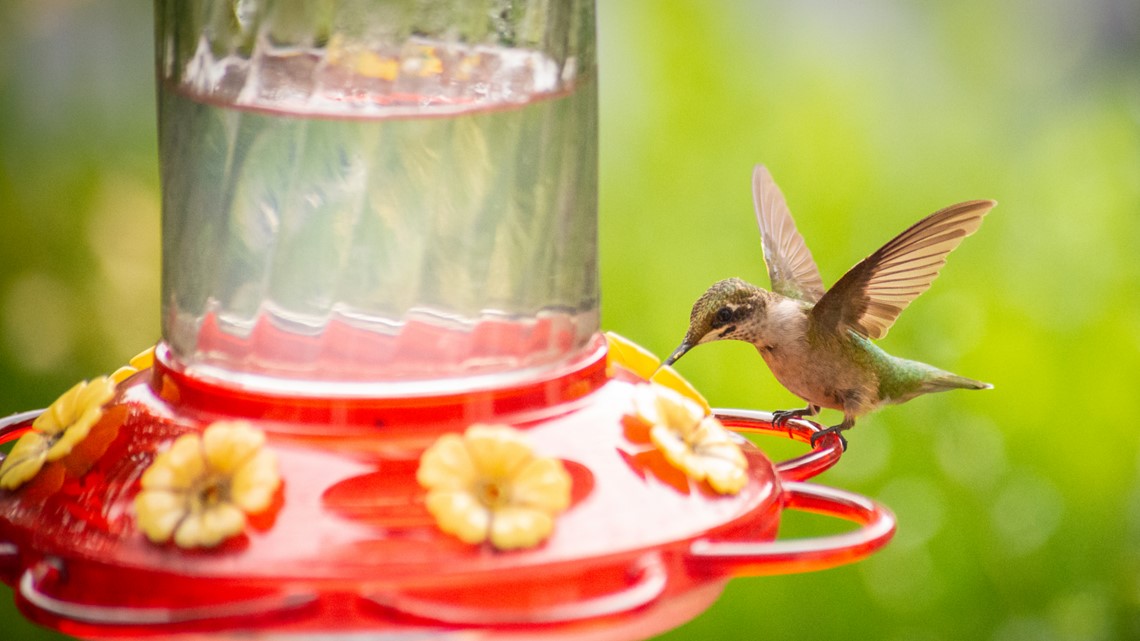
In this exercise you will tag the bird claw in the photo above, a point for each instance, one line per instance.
(834, 429)
(780, 417)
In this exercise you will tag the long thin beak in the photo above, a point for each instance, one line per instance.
(677, 354)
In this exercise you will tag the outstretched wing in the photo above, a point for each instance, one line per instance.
(790, 266)
(874, 292)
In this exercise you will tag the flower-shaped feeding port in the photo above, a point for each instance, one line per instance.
(489, 486)
(199, 491)
(56, 431)
(695, 443)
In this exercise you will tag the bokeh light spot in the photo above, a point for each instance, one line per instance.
(869, 458)
(1026, 512)
(124, 237)
(972, 452)
(39, 321)
(1082, 616)
(1023, 628)
(920, 508)
(901, 579)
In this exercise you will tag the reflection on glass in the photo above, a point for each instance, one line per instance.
(396, 196)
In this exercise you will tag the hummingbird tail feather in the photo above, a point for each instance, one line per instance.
(948, 381)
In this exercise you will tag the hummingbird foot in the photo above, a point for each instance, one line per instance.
(837, 430)
(780, 417)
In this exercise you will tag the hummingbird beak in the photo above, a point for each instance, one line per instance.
(677, 354)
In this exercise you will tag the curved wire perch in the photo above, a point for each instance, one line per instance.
(648, 580)
(754, 558)
(822, 456)
(30, 590)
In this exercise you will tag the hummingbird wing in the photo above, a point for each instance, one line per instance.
(872, 294)
(791, 268)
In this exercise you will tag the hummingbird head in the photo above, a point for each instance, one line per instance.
(729, 309)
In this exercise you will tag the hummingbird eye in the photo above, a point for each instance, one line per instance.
(723, 315)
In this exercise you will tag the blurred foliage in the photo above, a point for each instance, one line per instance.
(1019, 509)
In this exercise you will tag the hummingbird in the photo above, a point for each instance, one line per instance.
(817, 342)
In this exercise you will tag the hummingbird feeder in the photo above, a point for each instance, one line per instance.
(381, 406)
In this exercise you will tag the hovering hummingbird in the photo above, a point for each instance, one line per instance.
(818, 343)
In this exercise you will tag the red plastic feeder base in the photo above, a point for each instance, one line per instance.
(348, 549)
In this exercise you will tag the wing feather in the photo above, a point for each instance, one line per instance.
(873, 293)
(791, 268)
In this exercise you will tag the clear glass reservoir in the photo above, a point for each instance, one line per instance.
(377, 197)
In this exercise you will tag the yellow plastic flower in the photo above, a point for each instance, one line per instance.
(622, 352)
(693, 442)
(489, 485)
(54, 433)
(142, 360)
(201, 489)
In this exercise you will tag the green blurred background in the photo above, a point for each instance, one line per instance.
(1019, 509)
